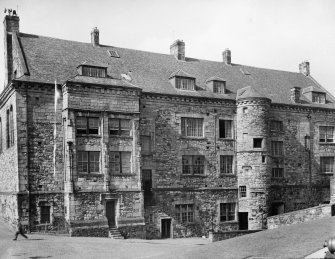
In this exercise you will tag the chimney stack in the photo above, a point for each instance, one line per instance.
(295, 94)
(226, 55)
(304, 68)
(177, 49)
(95, 36)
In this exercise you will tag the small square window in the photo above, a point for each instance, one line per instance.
(258, 142)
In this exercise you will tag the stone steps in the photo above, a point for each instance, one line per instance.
(114, 233)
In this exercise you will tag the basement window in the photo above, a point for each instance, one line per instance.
(258, 142)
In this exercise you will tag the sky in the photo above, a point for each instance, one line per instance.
(275, 34)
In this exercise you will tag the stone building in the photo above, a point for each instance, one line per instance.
(155, 145)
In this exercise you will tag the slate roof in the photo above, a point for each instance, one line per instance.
(248, 92)
(48, 59)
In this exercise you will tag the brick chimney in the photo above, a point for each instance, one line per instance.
(95, 36)
(226, 55)
(304, 68)
(11, 26)
(177, 49)
(295, 94)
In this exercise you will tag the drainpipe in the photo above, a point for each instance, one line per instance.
(28, 164)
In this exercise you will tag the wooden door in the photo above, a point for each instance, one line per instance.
(110, 213)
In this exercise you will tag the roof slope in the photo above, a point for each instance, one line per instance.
(49, 59)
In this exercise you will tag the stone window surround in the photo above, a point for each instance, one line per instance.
(89, 150)
(233, 126)
(318, 133)
(192, 153)
(45, 203)
(88, 115)
(188, 201)
(132, 158)
(226, 200)
(195, 116)
(125, 117)
(226, 153)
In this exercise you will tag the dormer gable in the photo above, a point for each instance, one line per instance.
(216, 85)
(182, 80)
(92, 69)
(315, 94)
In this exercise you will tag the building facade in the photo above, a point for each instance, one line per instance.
(155, 145)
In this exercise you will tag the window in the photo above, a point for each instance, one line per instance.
(243, 191)
(10, 128)
(277, 172)
(192, 127)
(185, 83)
(93, 71)
(225, 128)
(318, 98)
(145, 145)
(184, 213)
(87, 125)
(88, 161)
(326, 134)
(193, 165)
(226, 164)
(119, 127)
(45, 214)
(327, 164)
(227, 211)
(258, 142)
(245, 110)
(120, 162)
(277, 148)
(219, 87)
(276, 125)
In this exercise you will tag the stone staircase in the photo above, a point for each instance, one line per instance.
(114, 233)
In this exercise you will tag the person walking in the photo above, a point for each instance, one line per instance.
(19, 230)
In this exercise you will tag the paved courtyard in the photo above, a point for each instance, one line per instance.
(297, 241)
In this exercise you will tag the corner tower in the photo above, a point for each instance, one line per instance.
(253, 167)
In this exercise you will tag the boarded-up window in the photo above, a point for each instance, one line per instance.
(120, 162)
(192, 127)
(145, 145)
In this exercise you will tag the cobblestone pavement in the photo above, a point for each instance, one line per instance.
(47, 246)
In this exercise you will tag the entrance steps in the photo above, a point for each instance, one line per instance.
(114, 233)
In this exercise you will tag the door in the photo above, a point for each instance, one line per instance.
(166, 228)
(243, 220)
(110, 213)
(333, 210)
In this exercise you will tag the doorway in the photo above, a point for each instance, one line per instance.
(277, 208)
(110, 212)
(166, 228)
(243, 220)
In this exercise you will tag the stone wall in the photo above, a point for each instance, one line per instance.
(296, 217)
(218, 236)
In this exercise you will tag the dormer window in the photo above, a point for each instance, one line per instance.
(185, 83)
(93, 71)
(318, 97)
(219, 87)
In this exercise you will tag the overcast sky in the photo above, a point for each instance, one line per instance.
(263, 33)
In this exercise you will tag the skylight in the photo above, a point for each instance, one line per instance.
(113, 53)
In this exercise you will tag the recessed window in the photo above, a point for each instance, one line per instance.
(45, 214)
(93, 71)
(227, 211)
(193, 165)
(219, 87)
(226, 164)
(225, 128)
(326, 134)
(277, 172)
(87, 125)
(120, 162)
(192, 127)
(243, 191)
(327, 164)
(119, 127)
(88, 162)
(258, 142)
(184, 213)
(276, 125)
(318, 98)
(185, 83)
(277, 148)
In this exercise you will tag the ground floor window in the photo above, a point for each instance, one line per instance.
(184, 213)
(227, 211)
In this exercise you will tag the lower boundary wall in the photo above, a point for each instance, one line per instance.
(299, 216)
(218, 236)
